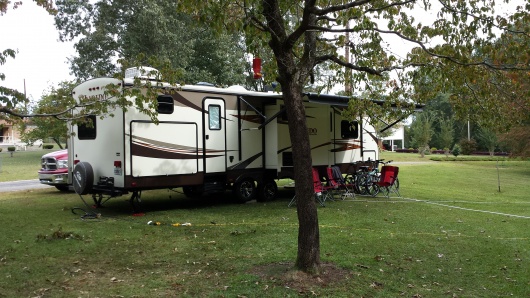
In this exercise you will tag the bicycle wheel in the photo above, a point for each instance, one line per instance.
(361, 184)
(374, 190)
(371, 185)
(353, 181)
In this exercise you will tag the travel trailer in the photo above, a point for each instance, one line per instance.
(207, 140)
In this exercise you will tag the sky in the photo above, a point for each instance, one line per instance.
(41, 59)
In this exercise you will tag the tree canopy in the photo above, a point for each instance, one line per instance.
(107, 32)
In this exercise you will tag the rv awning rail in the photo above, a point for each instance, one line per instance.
(342, 101)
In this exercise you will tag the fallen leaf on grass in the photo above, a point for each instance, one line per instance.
(114, 279)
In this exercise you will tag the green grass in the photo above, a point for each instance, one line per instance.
(450, 235)
(22, 165)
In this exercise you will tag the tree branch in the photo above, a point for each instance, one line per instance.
(424, 48)
(449, 8)
(302, 28)
(347, 64)
(331, 9)
(449, 58)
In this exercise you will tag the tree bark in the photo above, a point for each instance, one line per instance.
(58, 142)
(308, 256)
(292, 77)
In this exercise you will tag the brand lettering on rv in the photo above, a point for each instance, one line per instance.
(95, 97)
(312, 131)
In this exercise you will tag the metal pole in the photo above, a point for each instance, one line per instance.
(498, 176)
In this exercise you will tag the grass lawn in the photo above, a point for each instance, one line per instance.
(452, 234)
(22, 165)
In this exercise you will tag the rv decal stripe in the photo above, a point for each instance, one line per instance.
(284, 149)
(163, 144)
(182, 100)
(345, 145)
(244, 164)
(321, 145)
(152, 152)
(250, 118)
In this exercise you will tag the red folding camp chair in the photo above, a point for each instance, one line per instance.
(387, 180)
(321, 192)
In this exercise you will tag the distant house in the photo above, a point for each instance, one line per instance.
(10, 135)
(396, 140)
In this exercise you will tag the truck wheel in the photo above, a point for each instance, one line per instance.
(83, 178)
(267, 190)
(245, 190)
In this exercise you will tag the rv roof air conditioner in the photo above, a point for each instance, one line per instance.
(237, 88)
(205, 84)
(142, 72)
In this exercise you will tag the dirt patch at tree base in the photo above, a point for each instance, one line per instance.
(286, 275)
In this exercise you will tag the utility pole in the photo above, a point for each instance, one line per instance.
(348, 74)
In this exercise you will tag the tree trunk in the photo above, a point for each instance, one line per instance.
(58, 142)
(308, 257)
(292, 77)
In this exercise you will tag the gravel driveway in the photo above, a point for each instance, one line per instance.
(21, 185)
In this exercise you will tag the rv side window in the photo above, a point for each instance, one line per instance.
(87, 131)
(214, 117)
(349, 129)
(165, 104)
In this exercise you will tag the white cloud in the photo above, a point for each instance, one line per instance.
(41, 59)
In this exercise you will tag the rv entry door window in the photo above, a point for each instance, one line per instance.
(214, 117)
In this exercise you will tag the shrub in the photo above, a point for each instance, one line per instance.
(407, 150)
(47, 146)
(433, 149)
(468, 146)
(0, 149)
(11, 149)
(456, 150)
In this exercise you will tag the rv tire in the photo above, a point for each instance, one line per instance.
(192, 191)
(245, 190)
(83, 178)
(267, 190)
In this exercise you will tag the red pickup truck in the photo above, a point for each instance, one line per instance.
(54, 170)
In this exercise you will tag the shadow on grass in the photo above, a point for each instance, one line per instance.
(164, 200)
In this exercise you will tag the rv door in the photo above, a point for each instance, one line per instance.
(214, 135)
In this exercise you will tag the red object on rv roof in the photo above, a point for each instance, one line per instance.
(256, 67)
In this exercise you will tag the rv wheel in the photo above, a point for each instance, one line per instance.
(244, 190)
(83, 178)
(192, 191)
(267, 190)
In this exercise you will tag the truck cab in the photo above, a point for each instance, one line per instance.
(54, 170)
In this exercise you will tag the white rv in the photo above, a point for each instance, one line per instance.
(208, 139)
